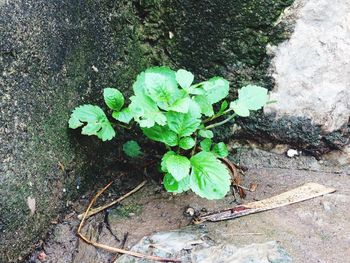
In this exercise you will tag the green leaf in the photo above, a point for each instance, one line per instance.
(96, 120)
(181, 105)
(216, 88)
(205, 105)
(206, 133)
(253, 97)
(186, 143)
(160, 84)
(164, 158)
(196, 89)
(209, 177)
(113, 98)
(182, 124)
(145, 111)
(184, 78)
(173, 186)
(194, 109)
(206, 144)
(220, 149)
(178, 166)
(132, 149)
(223, 107)
(124, 115)
(161, 134)
(239, 108)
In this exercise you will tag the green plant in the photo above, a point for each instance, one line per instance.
(172, 110)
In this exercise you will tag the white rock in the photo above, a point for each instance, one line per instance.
(312, 68)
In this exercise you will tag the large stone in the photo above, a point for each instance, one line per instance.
(54, 55)
(193, 245)
(312, 69)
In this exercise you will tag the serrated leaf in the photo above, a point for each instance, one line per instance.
(195, 90)
(132, 149)
(124, 115)
(145, 111)
(161, 134)
(182, 124)
(164, 158)
(206, 144)
(194, 109)
(184, 78)
(107, 132)
(95, 119)
(220, 150)
(178, 166)
(206, 134)
(209, 177)
(205, 105)
(253, 97)
(160, 84)
(186, 143)
(181, 105)
(173, 186)
(239, 108)
(113, 98)
(216, 88)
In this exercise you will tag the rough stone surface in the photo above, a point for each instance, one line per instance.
(191, 245)
(312, 69)
(53, 56)
(311, 75)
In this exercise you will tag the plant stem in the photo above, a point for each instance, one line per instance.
(195, 144)
(221, 122)
(217, 116)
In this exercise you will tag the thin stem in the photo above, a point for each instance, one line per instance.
(217, 116)
(195, 144)
(221, 122)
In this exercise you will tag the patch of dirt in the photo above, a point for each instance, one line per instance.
(317, 230)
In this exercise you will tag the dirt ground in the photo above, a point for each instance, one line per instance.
(316, 230)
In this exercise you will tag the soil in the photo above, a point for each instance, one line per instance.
(317, 230)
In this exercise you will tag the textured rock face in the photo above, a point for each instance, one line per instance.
(312, 69)
(193, 245)
(53, 55)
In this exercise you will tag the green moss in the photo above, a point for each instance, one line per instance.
(124, 211)
(215, 37)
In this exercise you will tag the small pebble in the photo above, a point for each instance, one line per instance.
(292, 153)
(189, 212)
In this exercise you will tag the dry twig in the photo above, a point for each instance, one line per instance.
(114, 249)
(101, 208)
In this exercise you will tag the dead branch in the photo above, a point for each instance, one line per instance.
(114, 249)
(101, 208)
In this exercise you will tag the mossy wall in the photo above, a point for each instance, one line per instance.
(55, 55)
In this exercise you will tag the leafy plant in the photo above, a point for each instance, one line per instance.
(170, 109)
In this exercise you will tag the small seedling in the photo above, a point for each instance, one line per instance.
(170, 109)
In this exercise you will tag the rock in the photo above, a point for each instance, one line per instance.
(312, 68)
(254, 253)
(193, 245)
